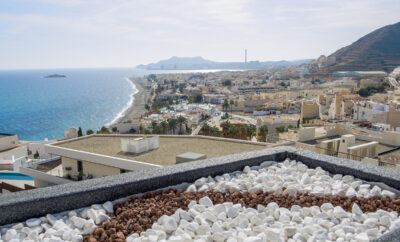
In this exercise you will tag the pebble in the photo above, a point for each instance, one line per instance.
(33, 222)
(205, 221)
(109, 207)
(240, 227)
(292, 175)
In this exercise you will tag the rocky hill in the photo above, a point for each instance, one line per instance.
(378, 50)
(198, 63)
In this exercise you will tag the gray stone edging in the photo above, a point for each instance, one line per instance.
(15, 207)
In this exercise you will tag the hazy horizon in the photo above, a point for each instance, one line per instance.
(58, 34)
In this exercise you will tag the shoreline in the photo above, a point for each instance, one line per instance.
(136, 106)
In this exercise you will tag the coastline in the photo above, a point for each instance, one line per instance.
(137, 103)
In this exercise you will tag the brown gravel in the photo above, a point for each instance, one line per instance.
(138, 214)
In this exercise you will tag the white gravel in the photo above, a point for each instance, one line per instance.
(234, 223)
(294, 176)
(61, 227)
(229, 222)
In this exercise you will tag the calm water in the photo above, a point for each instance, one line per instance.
(14, 176)
(36, 108)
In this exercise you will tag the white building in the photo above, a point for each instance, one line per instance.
(370, 111)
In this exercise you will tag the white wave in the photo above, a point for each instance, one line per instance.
(127, 106)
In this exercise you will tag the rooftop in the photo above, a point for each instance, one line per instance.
(5, 135)
(266, 165)
(380, 147)
(170, 147)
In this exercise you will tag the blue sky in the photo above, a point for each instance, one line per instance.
(124, 33)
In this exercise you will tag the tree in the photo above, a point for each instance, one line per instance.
(225, 105)
(181, 121)
(233, 130)
(281, 129)
(147, 107)
(181, 87)
(205, 128)
(243, 130)
(157, 129)
(198, 98)
(215, 131)
(231, 103)
(36, 155)
(298, 123)
(153, 125)
(251, 130)
(227, 83)
(262, 133)
(114, 129)
(164, 126)
(80, 132)
(103, 130)
(89, 132)
(225, 127)
(172, 125)
(141, 129)
(152, 77)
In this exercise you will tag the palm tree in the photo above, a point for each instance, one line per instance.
(205, 128)
(181, 121)
(233, 130)
(225, 105)
(215, 131)
(251, 130)
(172, 125)
(262, 133)
(231, 102)
(243, 130)
(164, 126)
(225, 126)
(153, 126)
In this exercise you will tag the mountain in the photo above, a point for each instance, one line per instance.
(378, 50)
(198, 63)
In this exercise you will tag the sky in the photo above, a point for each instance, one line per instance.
(124, 33)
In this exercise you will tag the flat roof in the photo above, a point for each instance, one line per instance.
(380, 147)
(4, 135)
(391, 157)
(170, 147)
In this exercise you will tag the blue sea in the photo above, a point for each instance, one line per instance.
(36, 108)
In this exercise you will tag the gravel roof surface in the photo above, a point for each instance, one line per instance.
(169, 148)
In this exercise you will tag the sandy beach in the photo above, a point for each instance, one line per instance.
(140, 99)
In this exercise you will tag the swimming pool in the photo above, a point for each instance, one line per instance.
(14, 176)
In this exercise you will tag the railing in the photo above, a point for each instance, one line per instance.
(33, 163)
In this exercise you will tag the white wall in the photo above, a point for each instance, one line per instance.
(41, 178)
(99, 159)
(8, 142)
(39, 147)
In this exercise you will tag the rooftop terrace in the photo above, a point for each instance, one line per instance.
(39, 202)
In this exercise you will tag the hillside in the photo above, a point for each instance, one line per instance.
(196, 63)
(378, 50)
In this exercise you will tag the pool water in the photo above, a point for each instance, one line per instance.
(14, 176)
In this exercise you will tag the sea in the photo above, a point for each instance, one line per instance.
(37, 108)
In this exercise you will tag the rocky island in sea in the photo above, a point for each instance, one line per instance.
(55, 76)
